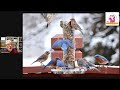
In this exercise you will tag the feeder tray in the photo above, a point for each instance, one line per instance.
(68, 71)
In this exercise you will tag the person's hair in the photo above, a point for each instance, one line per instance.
(8, 41)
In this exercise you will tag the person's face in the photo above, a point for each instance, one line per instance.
(9, 46)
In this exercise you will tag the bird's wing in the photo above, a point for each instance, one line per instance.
(80, 62)
(83, 63)
(104, 58)
(91, 64)
(36, 60)
(57, 43)
(86, 65)
(64, 47)
(41, 57)
(69, 43)
(60, 63)
(49, 63)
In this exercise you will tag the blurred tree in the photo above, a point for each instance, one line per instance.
(99, 30)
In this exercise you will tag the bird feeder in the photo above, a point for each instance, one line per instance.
(68, 33)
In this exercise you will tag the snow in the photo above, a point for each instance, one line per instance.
(94, 41)
(116, 40)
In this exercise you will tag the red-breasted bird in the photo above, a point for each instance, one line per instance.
(74, 25)
(43, 57)
(101, 60)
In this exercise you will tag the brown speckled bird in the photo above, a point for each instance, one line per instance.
(74, 25)
(43, 57)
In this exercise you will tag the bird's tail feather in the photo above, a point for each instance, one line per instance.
(110, 63)
(34, 62)
(44, 67)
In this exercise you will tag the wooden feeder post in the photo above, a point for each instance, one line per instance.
(68, 33)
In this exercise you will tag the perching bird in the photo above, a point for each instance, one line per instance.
(82, 63)
(85, 64)
(43, 57)
(60, 63)
(101, 60)
(51, 63)
(91, 64)
(74, 25)
(64, 44)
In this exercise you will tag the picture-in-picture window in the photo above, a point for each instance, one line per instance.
(11, 44)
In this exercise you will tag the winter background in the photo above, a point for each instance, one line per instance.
(97, 39)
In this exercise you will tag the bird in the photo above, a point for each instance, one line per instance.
(64, 44)
(51, 63)
(91, 65)
(83, 63)
(43, 57)
(74, 25)
(60, 63)
(101, 60)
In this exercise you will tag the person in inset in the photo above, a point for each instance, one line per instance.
(10, 47)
